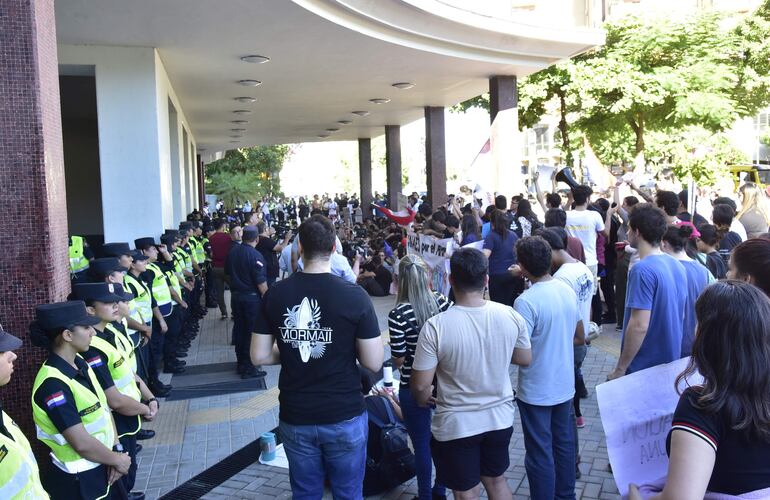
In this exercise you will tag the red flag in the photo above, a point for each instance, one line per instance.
(402, 217)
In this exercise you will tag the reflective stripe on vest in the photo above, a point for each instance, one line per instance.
(95, 417)
(185, 259)
(78, 261)
(125, 343)
(120, 369)
(198, 251)
(19, 474)
(143, 300)
(160, 288)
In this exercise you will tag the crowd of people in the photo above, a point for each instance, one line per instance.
(523, 291)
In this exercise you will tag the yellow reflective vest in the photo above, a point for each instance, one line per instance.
(19, 474)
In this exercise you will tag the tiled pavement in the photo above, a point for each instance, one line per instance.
(195, 434)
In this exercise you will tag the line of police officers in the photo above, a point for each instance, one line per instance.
(130, 313)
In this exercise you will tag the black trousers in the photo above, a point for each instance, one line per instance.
(504, 288)
(129, 446)
(247, 317)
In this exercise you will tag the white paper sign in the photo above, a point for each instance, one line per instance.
(636, 412)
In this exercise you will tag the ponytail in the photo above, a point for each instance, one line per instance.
(41, 337)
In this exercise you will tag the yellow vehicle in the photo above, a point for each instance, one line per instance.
(759, 174)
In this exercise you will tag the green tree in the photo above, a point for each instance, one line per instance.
(247, 173)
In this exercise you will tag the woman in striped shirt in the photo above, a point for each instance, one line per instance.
(415, 304)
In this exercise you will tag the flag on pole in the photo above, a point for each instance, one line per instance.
(402, 217)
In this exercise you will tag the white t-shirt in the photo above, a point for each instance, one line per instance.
(471, 349)
(583, 225)
(578, 277)
(550, 309)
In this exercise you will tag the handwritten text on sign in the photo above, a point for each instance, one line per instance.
(636, 415)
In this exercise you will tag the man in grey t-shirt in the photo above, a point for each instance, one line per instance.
(469, 348)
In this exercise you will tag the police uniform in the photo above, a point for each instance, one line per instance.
(80, 254)
(168, 343)
(246, 269)
(144, 302)
(159, 286)
(111, 357)
(63, 396)
(19, 474)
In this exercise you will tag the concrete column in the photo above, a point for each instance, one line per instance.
(365, 175)
(200, 172)
(393, 164)
(33, 229)
(435, 155)
(505, 136)
(503, 94)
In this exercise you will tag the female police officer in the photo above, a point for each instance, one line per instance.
(19, 475)
(70, 409)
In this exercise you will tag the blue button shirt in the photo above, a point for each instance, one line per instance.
(246, 268)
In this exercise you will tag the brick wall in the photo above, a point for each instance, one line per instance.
(33, 212)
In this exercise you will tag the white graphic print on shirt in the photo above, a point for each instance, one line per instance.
(302, 329)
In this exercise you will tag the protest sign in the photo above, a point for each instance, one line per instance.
(636, 412)
(434, 252)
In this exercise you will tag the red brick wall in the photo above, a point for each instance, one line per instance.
(33, 211)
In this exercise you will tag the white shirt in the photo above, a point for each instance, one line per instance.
(738, 228)
(471, 349)
(583, 225)
(578, 277)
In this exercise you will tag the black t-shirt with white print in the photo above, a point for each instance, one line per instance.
(316, 319)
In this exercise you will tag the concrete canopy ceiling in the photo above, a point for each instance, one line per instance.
(319, 71)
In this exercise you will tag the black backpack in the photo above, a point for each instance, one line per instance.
(389, 460)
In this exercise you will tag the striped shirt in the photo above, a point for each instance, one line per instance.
(403, 334)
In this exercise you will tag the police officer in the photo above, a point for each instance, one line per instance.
(19, 475)
(80, 254)
(173, 269)
(246, 270)
(70, 408)
(110, 355)
(210, 288)
(160, 287)
(135, 282)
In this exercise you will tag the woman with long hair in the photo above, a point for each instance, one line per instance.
(525, 220)
(720, 434)
(674, 243)
(469, 226)
(499, 248)
(754, 213)
(750, 262)
(415, 304)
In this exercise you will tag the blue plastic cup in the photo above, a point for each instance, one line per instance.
(267, 446)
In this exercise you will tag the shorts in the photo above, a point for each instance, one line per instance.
(460, 463)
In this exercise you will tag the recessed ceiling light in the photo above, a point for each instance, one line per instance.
(249, 83)
(239, 122)
(344, 122)
(237, 130)
(236, 136)
(380, 100)
(360, 113)
(245, 99)
(234, 142)
(255, 59)
(332, 129)
(202, 149)
(242, 111)
(403, 85)
(322, 136)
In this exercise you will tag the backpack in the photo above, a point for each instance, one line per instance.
(389, 460)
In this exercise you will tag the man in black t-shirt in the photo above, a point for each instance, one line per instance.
(318, 325)
(270, 250)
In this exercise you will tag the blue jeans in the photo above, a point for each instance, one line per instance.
(336, 452)
(417, 421)
(550, 442)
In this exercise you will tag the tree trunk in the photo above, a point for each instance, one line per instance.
(637, 125)
(566, 150)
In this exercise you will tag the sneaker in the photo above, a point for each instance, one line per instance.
(581, 422)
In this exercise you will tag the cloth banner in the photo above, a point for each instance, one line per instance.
(435, 253)
(636, 412)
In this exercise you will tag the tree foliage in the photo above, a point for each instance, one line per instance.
(247, 173)
(690, 78)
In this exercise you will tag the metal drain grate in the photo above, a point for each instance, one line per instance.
(217, 474)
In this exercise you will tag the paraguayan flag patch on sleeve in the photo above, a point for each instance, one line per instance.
(55, 399)
(95, 361)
